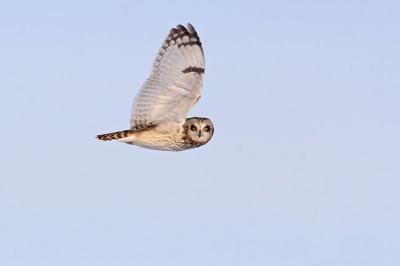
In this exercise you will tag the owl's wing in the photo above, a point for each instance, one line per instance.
(175, 83)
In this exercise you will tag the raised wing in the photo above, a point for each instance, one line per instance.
(175, 82)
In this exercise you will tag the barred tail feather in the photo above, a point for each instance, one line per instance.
(119, 135)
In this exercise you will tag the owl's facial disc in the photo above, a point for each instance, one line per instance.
(200, 130)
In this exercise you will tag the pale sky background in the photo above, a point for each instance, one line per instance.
(303, 168)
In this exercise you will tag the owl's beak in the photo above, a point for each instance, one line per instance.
(199, 133)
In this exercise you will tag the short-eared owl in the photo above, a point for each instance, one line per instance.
(159, 110)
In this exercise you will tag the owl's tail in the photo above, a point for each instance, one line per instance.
(119, 135)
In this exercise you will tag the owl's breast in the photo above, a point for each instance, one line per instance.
(161, 139)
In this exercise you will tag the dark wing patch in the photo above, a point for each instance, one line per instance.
(198, 70)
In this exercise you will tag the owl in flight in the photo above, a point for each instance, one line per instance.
(158, 119)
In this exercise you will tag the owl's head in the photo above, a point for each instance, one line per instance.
(200, 130)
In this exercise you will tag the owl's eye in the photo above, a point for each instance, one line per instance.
(206, 128)
(193, 128)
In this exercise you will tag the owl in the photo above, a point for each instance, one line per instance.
(159, 111)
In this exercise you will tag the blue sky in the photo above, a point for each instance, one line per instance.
(303, 168)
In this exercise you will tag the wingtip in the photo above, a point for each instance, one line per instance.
(181, 27)
(189, 28)
(192, 29)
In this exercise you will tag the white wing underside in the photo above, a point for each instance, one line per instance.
(175, 83)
